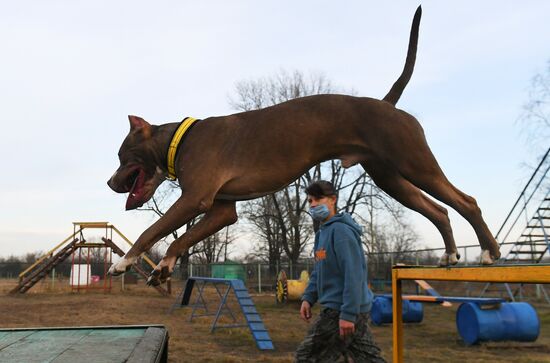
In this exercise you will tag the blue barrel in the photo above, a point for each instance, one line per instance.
(382, 311)
(509, 321)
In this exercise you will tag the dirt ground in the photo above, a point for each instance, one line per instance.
(434, 340)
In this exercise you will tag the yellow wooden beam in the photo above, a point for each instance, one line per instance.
(535, 274)
(91, 245)
(92, 224)
(397, 326)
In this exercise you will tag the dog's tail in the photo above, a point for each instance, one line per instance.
(397, 89)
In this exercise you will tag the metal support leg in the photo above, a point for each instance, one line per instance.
(221, 307)
(223, 300)
(202, 302)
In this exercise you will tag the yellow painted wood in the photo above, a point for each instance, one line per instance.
(535, 274)
(92, 224)
(425, 298)
(397, 325)
(91, 245)
(423, 284)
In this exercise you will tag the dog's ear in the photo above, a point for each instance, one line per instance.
(139, 124)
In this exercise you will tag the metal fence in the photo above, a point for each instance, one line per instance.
(262, 277)
(11, 270)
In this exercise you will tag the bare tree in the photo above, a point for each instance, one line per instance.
(213, 248)
(31, 257)
(536, 111)
(266, 227)
(535, 120)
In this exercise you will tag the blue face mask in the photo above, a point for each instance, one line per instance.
(319, 213)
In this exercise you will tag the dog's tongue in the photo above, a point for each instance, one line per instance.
(135, 197)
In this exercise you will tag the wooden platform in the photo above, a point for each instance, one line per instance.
(95, 344)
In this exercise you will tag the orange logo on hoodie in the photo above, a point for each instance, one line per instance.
(320, 254)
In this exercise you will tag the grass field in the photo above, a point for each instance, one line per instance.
(434, 340)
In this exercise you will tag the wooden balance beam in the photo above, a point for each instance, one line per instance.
(442, 299)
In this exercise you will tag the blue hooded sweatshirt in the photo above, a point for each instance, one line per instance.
(339, 278)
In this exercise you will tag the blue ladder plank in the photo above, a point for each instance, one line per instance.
(238, 285)
(257, 326)
(249, 310)
(242, 294)
(253, 318)
(261, 335)
(245, 302)
(265, 344)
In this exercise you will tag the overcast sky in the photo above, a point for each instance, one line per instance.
(71, 72)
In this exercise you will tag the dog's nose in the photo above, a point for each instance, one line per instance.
(112, 185)
(111, 182)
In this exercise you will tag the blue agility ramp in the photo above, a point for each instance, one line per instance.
(223, 289)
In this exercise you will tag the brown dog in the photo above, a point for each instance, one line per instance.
(251, 154)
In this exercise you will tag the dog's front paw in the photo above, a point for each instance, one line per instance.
(121, 266)
(449, 259)
(158, 277)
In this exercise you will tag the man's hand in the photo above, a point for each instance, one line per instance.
(347, 328)
(305, 311)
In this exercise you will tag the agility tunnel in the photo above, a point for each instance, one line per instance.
(290, 290)
(517, 321)
(381, 311)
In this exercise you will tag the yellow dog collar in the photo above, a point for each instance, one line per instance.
(174, 144)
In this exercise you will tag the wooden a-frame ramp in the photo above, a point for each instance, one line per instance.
(45, 264)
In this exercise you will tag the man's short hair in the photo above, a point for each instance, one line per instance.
(321, 188)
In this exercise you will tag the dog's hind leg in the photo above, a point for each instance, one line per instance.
(437, 185)
(399, 188)
(221, 214)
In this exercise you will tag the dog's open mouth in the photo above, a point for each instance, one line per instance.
(135, 186)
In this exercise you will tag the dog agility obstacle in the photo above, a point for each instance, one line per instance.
(73, 246)
(253, 319)
(534, 274)
(131, 344)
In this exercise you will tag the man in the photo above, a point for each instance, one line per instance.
(339, 283)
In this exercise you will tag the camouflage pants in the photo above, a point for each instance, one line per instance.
(323, 342)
